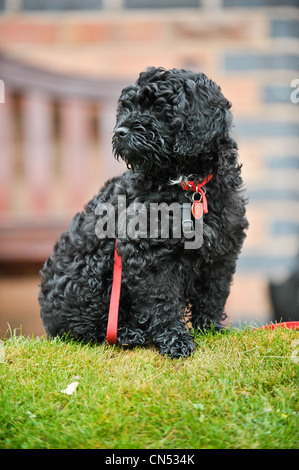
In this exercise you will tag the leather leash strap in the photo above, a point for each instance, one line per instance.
(114, 299)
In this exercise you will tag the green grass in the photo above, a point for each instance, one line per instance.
(239, 390)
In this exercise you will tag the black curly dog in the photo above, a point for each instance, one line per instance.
(172, 126)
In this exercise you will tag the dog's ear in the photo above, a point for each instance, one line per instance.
(205, 116)
(221, 116)
(213, 109)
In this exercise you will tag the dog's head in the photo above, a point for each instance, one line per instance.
(173, 123)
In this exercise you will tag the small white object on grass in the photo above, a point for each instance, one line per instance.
(71, 388)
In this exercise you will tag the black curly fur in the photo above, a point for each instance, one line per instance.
(176, 123)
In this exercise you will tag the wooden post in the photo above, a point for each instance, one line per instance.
(38, 150)
(75, 151)
(6, 153)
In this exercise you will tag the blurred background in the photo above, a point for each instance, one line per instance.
(62, 67)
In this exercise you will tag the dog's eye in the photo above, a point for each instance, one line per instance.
(158, 107)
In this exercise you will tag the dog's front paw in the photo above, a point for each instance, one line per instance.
(130, 338)
(182, 346)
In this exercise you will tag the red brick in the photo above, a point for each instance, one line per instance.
(116, 31)
(212, 30)
(20, 30)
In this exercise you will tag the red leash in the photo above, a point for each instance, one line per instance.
(290, 325)
(114, 300)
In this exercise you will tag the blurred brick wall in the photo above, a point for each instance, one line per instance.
(250, 48)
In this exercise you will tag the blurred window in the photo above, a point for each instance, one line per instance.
(161, 3)
(61, 4)
(69, 5)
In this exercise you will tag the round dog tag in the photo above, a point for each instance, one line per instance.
(197, 209)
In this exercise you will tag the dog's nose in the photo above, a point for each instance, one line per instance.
(121, 132)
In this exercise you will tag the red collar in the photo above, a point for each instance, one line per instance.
(196, 186)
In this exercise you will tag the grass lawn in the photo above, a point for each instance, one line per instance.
(238, 390)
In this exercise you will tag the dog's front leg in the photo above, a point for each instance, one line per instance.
(209, 294)
(158, 309)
